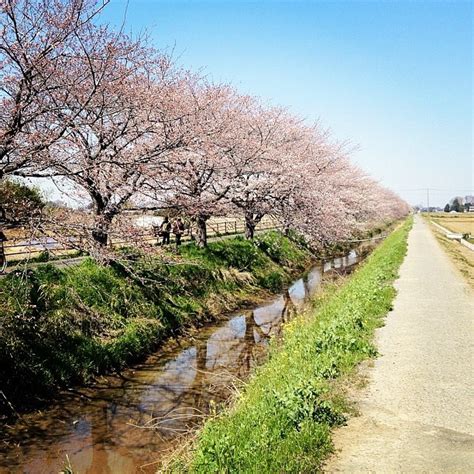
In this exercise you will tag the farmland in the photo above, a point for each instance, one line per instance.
(462, 223)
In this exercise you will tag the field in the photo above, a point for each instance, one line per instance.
(462, 223)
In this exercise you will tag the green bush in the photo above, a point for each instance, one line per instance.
(19, 202)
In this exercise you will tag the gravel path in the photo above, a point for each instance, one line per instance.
(417, 412)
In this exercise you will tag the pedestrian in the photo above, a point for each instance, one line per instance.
(3, 258)
(165, 231)
(178, 231)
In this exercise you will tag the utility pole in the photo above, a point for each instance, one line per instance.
(428, 198)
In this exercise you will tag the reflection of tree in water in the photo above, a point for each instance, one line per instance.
(98, 435)
(235, 351)
(289, 308)
(182, 390)
(251, 349)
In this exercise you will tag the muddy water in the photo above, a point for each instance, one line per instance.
(126, 423)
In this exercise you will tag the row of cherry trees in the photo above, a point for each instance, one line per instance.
(121, 124)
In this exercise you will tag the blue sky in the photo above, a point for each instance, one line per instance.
(394, 77)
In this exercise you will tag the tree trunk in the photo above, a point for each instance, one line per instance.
(102, 222)
(201, 238)
(100, 232)
(100, 238)
(249, 226)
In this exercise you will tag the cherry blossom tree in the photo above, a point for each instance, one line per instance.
(117, 116)
(259, 177)
(278, 154)
(340, 203)
(195, 179)
(36, 39)
(240, 156)
(120, 123)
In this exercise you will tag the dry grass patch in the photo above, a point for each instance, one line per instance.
(462, 223)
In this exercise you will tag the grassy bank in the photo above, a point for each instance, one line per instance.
(60, 327)
(282, 420)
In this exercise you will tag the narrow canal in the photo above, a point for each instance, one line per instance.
(126, 423)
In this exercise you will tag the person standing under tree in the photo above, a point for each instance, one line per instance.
(178, 231)
(3, 258)
(165, 230)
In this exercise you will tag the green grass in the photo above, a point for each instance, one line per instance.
(282, 420)
(62, 326)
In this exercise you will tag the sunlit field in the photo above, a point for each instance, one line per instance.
(462, 223)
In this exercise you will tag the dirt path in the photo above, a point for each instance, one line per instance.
(417, 412)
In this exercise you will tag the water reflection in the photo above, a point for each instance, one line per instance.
(101, 428)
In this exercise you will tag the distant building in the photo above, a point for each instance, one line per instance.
(429, 209)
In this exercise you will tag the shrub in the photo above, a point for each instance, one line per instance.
(19, 202)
